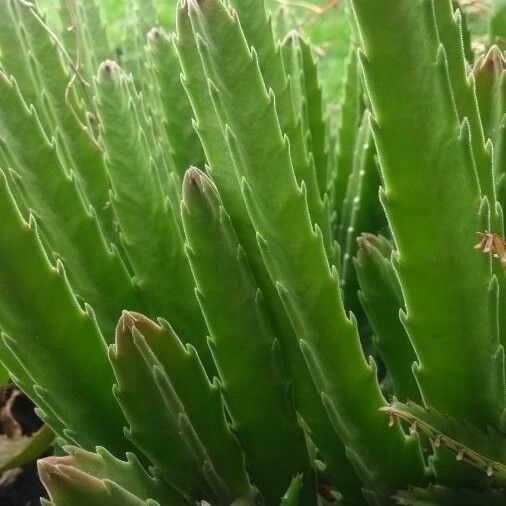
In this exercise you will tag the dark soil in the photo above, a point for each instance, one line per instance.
(22, 488)
(25, 490)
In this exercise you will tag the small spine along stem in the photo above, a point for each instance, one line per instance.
(463, 453)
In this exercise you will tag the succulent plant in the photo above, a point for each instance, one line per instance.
(217, 290)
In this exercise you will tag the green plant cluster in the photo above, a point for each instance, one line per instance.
(217, 290)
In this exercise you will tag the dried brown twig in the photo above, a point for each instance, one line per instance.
(75, 75)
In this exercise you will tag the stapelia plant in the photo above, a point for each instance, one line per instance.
(217, 293)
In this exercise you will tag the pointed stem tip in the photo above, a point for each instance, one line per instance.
(108, 71)
(130, 320)
(193, 183)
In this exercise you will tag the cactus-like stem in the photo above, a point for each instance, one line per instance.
(258, 32)
(242, 341)
(64, 360)
(381, 296)
(67, 224)
(361, 211)
(184, 142)
(69, 486)
(349, 121)
(290, 245)
(154, 247)
(45, 73)
(307, 400)
(437, 265)
(449, 27)
(128, 474)
(152, 367)
(300, 65)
